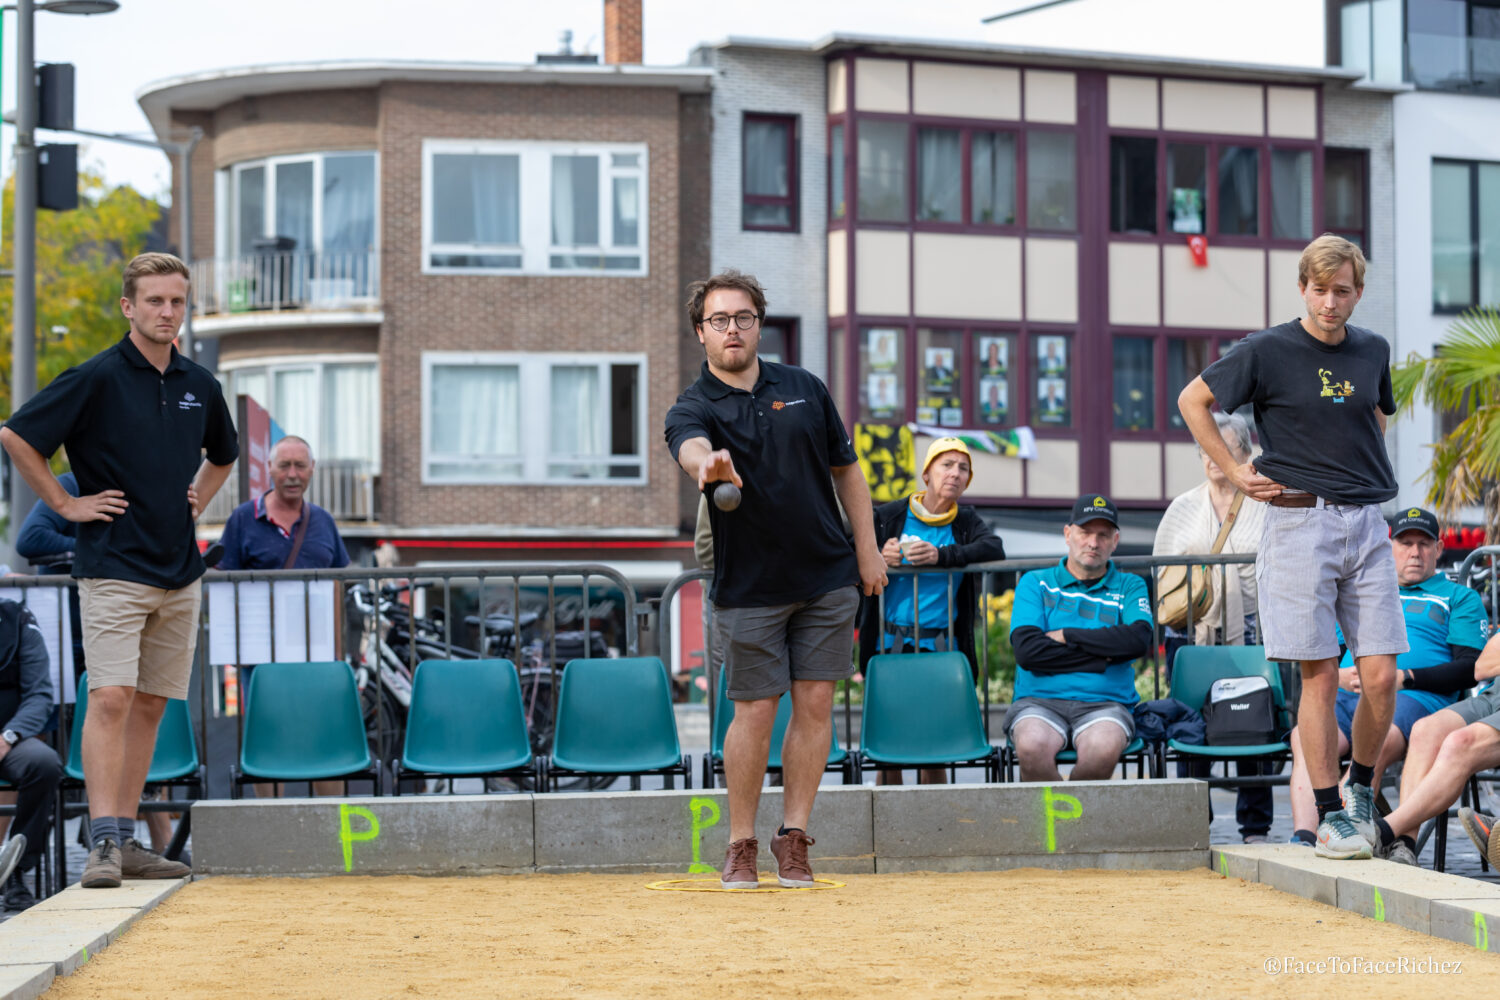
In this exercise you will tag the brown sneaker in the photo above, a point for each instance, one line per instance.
(103, 868)
(792, 869)
(139, 861)
(739, 865)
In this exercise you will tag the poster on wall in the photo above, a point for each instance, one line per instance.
(937, 370)
(994, 355)
(1052, 400)
(994, 399)
(881, 349)
(882, 391)
(1052, 355)
(1187, 210)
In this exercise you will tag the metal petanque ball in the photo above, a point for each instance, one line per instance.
(727, 496)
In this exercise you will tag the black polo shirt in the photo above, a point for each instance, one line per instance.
(128, 427)
(786, 542)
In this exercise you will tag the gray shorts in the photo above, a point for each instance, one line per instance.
(1069, 718)
(765, 649)
(1483, 707)
(1322, 565)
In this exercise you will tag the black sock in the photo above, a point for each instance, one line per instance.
(1409, 842)
(1327, 800)
(1361, 774)
(1384, 833)
(104, 828)
(127, 827)
(1306, 836)
(788, 829)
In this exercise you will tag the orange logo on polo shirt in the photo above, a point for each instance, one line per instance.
(779, 405)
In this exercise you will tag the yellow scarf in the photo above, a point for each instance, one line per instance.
(921, 513)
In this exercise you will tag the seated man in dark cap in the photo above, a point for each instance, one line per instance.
(1077, 627)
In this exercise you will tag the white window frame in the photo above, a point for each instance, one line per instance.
(228, 206)
(316, 362)
(535, 392)
(535, 178)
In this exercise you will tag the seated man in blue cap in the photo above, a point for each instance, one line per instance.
(1445, 626)
(1077, 628)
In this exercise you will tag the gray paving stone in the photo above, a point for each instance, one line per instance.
(142, 894)
(64, 938)
(25, 982)
(364, 836)
(687, 830)
(1402, 895)
(998, 820)
(1474, 922)
(1114, 860)
(1296, 870)
(1231, 861)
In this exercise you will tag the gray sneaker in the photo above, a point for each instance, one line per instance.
(1338, 838)
(103, 868)
(1359, 803)
(1399, 853)
(139, 861)
(10, 855)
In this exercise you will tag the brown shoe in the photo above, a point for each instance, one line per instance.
(739, 865)
(792, 869)
(103, 868)
(139, 861)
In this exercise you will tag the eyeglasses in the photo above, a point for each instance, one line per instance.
(743, 320)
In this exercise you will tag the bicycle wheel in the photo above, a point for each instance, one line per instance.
(383, 723)
(536, 702)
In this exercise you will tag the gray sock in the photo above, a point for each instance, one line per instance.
(127, 827)
(102, 828)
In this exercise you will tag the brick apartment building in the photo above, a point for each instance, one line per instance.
(463, 284)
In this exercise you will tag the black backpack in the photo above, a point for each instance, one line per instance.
(1240, 711)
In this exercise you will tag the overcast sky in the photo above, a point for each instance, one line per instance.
(151, 40)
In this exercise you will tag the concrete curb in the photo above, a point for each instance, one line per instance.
(1446, 906)
(58, 935)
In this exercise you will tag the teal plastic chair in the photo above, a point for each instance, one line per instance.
(921, 710)
(614, 716)
(466, 719)
(303, 723)
(839, 759)
(173, 762)
(1193, 672)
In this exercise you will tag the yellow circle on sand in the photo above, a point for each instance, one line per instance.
(712, 885)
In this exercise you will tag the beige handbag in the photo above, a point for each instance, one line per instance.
(1172, 585)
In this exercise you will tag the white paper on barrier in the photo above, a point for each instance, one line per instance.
(294, 615)
(49, 606)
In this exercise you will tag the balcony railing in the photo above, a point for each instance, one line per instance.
(281, 280)
(345, 487)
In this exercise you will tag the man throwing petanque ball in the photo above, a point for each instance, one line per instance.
(787, 579)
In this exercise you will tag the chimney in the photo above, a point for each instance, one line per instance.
(622, 31)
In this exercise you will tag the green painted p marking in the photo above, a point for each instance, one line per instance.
(1050, 800)
(705, 814)
(1379, 905)
(348, 836)
(1481, 932)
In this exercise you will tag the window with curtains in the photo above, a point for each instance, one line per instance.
(1346, 199)
(1051, 181)
(1239, 191)
(769, 172)
(535, 418)
(1291, 194)
(533, 207)
(940, 175)
(333, 401)
(1465, 234)
(881, 154)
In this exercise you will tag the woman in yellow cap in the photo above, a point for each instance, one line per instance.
(929, 528)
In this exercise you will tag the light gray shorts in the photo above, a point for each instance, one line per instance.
(765, 649)
(1483, 707)
(1069, 718)
(1322, 565)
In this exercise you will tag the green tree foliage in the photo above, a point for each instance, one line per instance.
(79, 257)
(1461, 377)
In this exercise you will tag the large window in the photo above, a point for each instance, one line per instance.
(940, 175)
(769, 166)
(318, 201)
(1291, 194)
(1051, 181)
(1346, 202)
(992, 178)
(1465, 234)
(882, 171)
(1135, 384)
(1132, 184)
(533, 207)
(1239, 191)
(546, 418)
(333, 401)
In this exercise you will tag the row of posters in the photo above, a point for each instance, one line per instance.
(939, 403)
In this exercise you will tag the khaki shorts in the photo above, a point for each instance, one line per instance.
(139, 636)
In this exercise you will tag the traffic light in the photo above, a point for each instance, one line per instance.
(57, 176)
(54, 93)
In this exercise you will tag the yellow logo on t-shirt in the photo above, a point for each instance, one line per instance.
(1338, 390)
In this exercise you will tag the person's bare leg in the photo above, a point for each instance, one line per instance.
(1376, 708)
(1473, 748)
(1427, 738)
(1099, 747)
(159, 827)
(1304, 810)
(104, 751)
(327, 789)
(1037, 745)
(747, 745)
(140, 743)
(932, 776)
(1392, 750)
(889, 777)
(1318, 726)
(804, 751)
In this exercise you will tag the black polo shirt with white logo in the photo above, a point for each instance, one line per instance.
(128, 427)
(785, 543)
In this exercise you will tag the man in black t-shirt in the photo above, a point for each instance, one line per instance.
(786, 578)
(1321, 391)
(150, 441)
